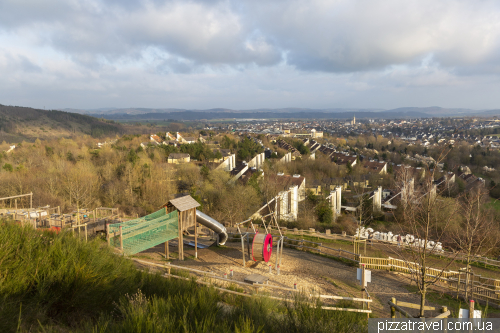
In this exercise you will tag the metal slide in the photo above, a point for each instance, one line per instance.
(212, 224)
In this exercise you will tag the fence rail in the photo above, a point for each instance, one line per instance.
(255, 287)
(333, 236)
(483, 288)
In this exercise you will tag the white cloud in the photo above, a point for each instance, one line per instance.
(313, 53)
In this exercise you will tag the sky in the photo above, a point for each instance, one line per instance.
(249, 54)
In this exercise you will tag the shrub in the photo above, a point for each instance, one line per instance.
(52, 283)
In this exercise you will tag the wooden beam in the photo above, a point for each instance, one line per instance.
(16, 196)
(415, 306)
(401, 310)
(354, 299)
(196, 240)
(444, 314)
(346, 309)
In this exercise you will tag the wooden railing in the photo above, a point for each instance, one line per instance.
(486, 289)
(333, 236)
(211, 277)
(398, 307)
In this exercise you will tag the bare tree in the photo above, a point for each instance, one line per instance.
(476, 233)
(81, 184)
(426, 216)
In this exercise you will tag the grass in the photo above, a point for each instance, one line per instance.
(59, 283)
(494, 203)
(453, 304)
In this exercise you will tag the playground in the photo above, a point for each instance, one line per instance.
(310, 272)
(265, 258)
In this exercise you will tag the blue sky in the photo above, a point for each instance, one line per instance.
(249, 54)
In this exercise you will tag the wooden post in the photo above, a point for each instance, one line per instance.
(181, 237)
(458, 285)
(363, 281)
(363, 272)
(471, 284)
(248, 246)
(196, 240)
(471, 309)
(444, 309)
(107, 234)
(59, 210)
(85, 232)
(368, 307)
(121, 239)
(167, 250)
(243, 249)
(393, 309)
(31, 200)
(15, 202)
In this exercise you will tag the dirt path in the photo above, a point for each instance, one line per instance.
(314, 273)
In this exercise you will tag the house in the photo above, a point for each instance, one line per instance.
(245, 177)
(362, 181)
(331, 183)
(315, 134)
(188, 140)
(376, 167)
(314, 186)
(224, 153)
(155, 138)
(471, 180)
(343, 159)
(171, 137)
(285, 145)
(176, 158)
(282, 182)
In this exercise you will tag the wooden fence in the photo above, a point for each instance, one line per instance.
(398, 307)
(213, 278)
(332, 236)
(486, 289)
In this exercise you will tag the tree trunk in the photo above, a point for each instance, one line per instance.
(422, 301)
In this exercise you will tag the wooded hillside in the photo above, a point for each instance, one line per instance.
(22, 123)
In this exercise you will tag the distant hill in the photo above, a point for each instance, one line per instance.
(128, 114)
(139, 111)
(22, 123)
(210, 115)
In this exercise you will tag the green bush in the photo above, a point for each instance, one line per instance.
(60, 283)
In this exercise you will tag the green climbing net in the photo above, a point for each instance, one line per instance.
(145, 232)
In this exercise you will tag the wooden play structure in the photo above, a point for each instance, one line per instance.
(185, 207)
(262, 244)
(170, 222)
(20, 208)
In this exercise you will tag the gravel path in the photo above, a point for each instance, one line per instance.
(311, 272)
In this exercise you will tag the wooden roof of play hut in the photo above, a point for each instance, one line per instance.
(182, 204)
(186, 208)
